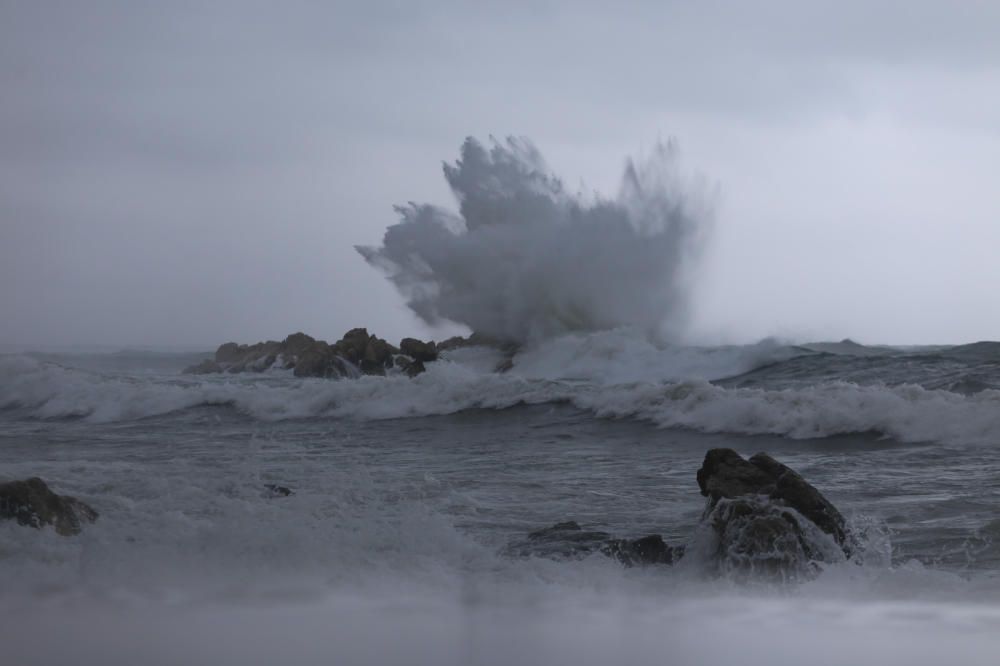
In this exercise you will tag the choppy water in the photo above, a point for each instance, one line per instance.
(406, 492)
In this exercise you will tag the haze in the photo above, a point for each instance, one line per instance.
(182, 174)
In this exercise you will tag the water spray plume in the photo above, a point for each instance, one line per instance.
(525, 260)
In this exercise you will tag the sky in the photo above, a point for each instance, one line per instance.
(186, 173)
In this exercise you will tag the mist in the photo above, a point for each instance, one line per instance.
(526, 259)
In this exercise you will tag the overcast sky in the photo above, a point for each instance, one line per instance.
(185, 173)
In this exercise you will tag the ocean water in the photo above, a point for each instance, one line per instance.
(391, 549)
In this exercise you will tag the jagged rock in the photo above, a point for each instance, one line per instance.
(569, 541)
(33, 504)
(308, 357)
(651, 549)
(352, 346)
(229, 352)
(768, 520)
(425, 352)
(725, 474)
(758, 538)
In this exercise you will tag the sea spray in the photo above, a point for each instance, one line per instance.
(525, 259)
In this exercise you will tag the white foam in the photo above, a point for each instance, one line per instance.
(907, 413)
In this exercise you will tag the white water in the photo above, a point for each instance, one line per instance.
(610, 374)
(526, 259)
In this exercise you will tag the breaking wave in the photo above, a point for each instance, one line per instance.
(685, 399)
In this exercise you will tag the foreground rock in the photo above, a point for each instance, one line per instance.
(762, 520)
(767, 519)
(570, 541)
(33, 504)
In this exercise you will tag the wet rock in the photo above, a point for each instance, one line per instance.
(570, 541)
(561, 541)
(759, 539)
(768, 521)
(31, 503)
(651, 549)
(414, 368)
(425, 352)
(273, 490)
(725, 474)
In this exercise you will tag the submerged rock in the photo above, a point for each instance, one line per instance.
(570, 541)
(273, 490)
(33, 504)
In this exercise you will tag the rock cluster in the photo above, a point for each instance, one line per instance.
(31, 503)
(764, 519)
(356, 353)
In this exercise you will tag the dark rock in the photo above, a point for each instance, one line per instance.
(272, 490)
(229, 352)
(725, 474)
(758, 538)
(303, 354)
(320, 361)
(561, 541)
(767, 519)
(33, 504)
(570, 541)
(414, 368)
(651, 549)
(425, 352)
(802, 496)
(352, 346)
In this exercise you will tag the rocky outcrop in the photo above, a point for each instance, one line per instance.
(31, 503)
(570, 541)
(356, 353)
(767, 519)
(425, 352)
(725, 474)
(762, 519)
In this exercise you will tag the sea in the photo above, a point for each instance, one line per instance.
(391, 547)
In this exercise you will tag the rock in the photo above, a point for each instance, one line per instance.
(273, 490)
(229, 352)
(768, 521)
(725, 474)
(650, 549)
(414, 368)
(761, 539)
(570, 541)
(425, 352)
(352, 346)
(33, 504)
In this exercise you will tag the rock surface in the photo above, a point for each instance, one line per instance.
(570, 541)
(32, 503)
(725, 474)
(767, 519)
(356, 353)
